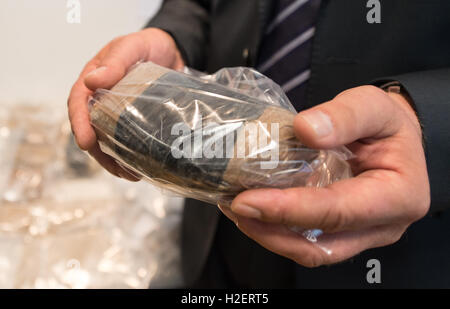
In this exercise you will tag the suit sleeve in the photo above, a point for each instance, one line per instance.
(187, 21)
(430, 93)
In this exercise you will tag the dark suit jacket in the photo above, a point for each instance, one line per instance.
(411, 45)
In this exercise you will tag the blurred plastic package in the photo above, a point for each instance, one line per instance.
(208, 137)
(65, 223)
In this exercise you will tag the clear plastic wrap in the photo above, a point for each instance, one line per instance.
(208, 137)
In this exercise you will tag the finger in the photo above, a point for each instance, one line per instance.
(79, 114)
(373, 198)
(110, 164)
(120, 56)
(106, 69)
(280, 240)
(328, 249)
(344, 245)
(363, 112)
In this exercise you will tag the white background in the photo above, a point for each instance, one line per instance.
(41, 54)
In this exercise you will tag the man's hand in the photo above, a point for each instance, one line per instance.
(104, 71)
(373, 209)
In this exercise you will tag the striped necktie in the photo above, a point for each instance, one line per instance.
(286, 47)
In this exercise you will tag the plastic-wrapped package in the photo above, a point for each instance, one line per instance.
(208, 137)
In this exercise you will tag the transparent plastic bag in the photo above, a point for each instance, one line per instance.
(65, 223)
(208, 137)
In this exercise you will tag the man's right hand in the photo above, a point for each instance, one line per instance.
(104, 71)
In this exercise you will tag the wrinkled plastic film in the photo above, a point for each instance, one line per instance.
(208, 137)
(65, 223)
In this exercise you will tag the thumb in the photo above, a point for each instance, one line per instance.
(119, 57)
(362, 112)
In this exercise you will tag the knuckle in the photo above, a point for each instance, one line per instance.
(344, 114)
(384, 103)
(335, 218)
(310, 259)
(341, 220)
(422, 208)
(410, 199)
(345, 106)
(280, 214)
(395, 236)
(416, 204)
(329, 220)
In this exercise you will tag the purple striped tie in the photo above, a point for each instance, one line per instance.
(286, 47)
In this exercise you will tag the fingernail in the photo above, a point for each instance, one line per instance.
(96, 71)
(319, 122)
(246, 211)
